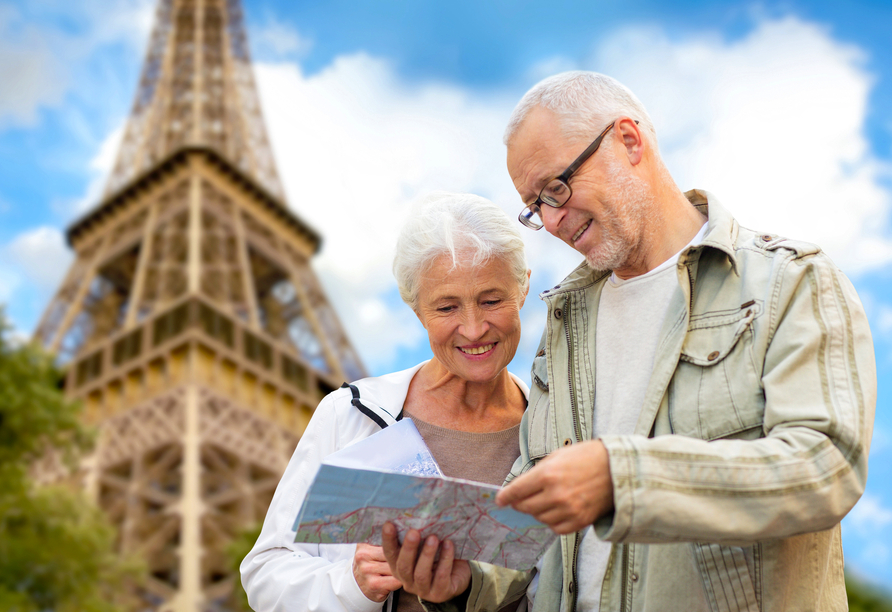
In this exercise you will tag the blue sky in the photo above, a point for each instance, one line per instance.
(782, 109)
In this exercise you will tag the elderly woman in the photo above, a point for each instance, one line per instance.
(460, 266)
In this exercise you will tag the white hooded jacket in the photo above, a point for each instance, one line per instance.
(280, 575)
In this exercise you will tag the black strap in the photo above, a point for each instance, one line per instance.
(365, 409)
(395, 600)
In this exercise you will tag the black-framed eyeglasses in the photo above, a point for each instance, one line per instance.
(557, 191)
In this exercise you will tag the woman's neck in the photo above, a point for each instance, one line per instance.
(441, 398)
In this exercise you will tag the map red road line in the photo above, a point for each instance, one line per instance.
(347, 505)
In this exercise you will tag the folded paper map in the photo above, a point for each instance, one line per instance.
(398, 448)
(347, 505)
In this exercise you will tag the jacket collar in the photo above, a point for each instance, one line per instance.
(721, 228)
(721, 233)
(390, 390)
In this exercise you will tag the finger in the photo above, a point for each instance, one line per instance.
(390, 583)
(519, 489)
(405, 563)
(541, 503)
(390, 543)
(377, 589)
(375, 553)
(443, 576)
(425, 564)
(566, 527)
(375, 568)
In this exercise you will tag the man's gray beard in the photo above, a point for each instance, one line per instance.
(622, 231)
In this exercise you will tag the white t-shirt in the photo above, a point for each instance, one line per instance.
(630, 315)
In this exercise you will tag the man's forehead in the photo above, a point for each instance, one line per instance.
(538, 149)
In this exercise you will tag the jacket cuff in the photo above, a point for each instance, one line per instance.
(350, 593)
(615, 526)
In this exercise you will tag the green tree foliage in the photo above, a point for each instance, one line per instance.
(863, 598)
(56, 548)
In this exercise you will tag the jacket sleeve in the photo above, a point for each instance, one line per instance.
(818, 379)
(280, 575)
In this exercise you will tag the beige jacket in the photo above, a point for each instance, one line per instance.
(752, 442)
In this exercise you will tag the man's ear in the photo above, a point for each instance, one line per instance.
(633, 140)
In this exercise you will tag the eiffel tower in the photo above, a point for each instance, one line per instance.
(196, 334)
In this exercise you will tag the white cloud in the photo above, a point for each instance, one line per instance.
(355, 146)
(773, 124)
(45, 61)
(276, 39)
(31, 267)
(100, 166)
(884, 320)
(869, 516)
(9, 282)
(27, 60)
(39, 255)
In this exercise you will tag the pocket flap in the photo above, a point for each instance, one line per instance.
(539, 372)
(712, 335)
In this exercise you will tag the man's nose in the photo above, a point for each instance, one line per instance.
(551, 218)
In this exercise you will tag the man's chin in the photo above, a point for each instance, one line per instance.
(606, 260)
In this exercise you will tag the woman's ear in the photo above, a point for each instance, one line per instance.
(526, 290)
(420, 318)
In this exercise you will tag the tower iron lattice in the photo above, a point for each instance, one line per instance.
(195, 331)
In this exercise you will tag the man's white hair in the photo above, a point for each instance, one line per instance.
(469, 229)
(585, 103)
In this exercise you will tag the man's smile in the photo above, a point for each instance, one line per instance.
(580, 231)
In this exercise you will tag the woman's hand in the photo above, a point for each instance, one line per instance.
(372, 572)
(436, 582)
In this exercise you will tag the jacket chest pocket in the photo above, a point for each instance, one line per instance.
(716, 391)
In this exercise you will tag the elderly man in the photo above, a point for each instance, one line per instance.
(703, 396)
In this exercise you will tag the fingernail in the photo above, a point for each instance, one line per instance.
(432, 541)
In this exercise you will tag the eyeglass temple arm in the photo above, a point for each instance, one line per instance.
(589, 150)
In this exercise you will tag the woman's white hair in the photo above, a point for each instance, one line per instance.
(469, 229)
(585, 102)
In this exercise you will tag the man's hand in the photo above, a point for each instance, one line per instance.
(372, 572)
(419, 574)
(567, 490)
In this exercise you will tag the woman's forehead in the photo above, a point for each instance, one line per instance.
(463, 276)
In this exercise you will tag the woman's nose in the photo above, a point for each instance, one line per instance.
(474, 326)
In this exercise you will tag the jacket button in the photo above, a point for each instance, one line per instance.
(634, 577)
(568, 442)
(558, 313)
(713, 356)
(570, 588)
(767, 237)
(541, 353)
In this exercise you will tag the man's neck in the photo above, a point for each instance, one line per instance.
(673, 225)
